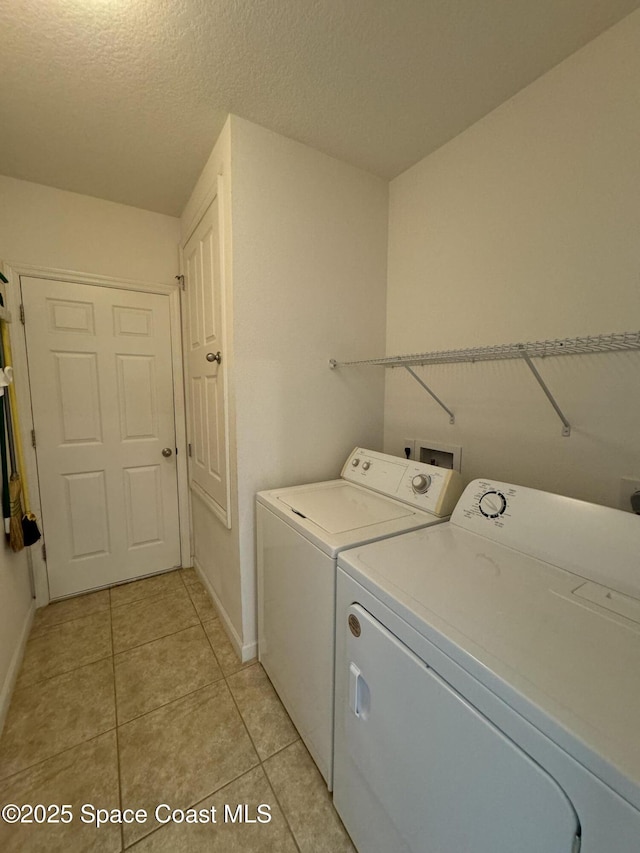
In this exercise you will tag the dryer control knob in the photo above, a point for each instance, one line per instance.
(355, 462)
(366, 465)
(420, 483)
(492, 504)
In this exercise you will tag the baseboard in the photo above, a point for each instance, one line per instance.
(14, 667)
(249, 651)
(245, 653)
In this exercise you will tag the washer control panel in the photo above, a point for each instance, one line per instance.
(420, 483)
(426, 487)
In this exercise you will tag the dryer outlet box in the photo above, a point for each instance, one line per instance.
(437, 453)
(628, 485)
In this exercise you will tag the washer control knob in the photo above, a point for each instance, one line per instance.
(355, 462)
(492, 504)
(366, 465)
(420, 483)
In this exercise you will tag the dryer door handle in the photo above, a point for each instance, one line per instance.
(358, 693)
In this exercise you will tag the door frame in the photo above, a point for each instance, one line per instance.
(14, 271)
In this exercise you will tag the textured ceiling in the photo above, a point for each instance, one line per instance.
(123, 99)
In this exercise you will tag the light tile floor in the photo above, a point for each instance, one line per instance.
(133, 697)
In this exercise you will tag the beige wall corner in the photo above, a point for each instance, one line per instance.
(524, 228)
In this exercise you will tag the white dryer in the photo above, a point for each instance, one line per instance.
(300, 532)
(488, 681)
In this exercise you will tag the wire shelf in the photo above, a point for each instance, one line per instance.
(613, 342)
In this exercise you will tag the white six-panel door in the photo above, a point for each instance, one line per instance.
(102, 395)
(208, 462)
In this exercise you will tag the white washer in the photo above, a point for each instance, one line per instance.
(488, 681)
(300, 531)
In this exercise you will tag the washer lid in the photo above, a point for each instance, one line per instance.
(335, 515)
(343, 508)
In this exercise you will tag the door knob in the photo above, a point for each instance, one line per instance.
(214, 357)
(166, 452)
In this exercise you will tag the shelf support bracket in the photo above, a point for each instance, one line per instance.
(566, 426)
(452, 417)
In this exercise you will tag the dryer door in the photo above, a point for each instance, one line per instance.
(417, 768)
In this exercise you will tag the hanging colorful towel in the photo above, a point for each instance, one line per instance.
(29, 531)
(6, 505)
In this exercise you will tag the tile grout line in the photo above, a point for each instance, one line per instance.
(154, 640)
(282, 749)
(224, 676)
(51, 628)
(113, 652)
(119, 725)
(45, 678)
(281, 807)
(42, 629)
(107, 609)
(266, 774)
(246, 728)
(148, 597)
(55, 755)
(199, 803)
(66, 749)
(165, 704)
(262, 761)
(162, 636)
(195, 607)
(39, 631)
(115, 702)
(124, 584)
(169, 702)
(172, 634)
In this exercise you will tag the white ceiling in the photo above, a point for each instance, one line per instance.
(123, 99)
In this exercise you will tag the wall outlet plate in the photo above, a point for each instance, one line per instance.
(628, 485)
(408, 442)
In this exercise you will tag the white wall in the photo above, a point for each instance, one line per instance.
(526, 227)
(308, 263)
(16, 611)
(46, 227)
(43, 226)
(309, 269)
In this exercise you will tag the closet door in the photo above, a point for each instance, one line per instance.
(102, 397)
(204, 354)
